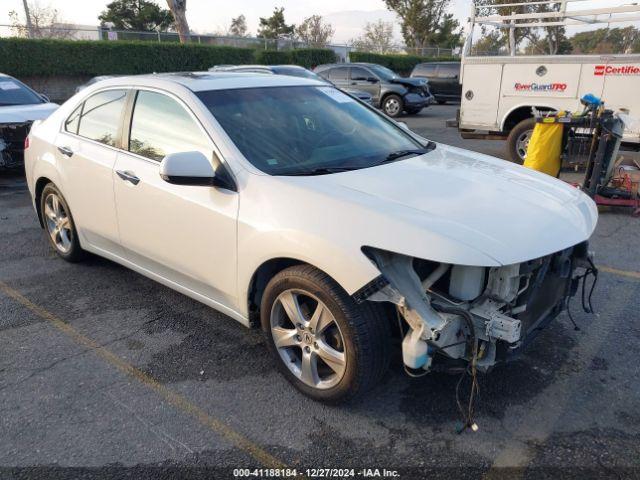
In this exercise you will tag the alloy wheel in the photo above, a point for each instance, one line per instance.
(308, 339)
(58, 223)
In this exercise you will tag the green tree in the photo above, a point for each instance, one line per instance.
(607, 40)
(140, 15)
(421, 20)
(275, 26)
(238, 26)
(314, 32)
(377, 38)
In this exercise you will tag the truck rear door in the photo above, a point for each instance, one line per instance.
(480, 96)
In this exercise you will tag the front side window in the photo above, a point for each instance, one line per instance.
(360, 74)
(303, 130)
(160, 126)
(101, 116)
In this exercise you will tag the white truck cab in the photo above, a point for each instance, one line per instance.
(500, 93)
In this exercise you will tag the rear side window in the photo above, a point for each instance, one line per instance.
(71, 124)
(448, 71)
(100, 117)
(160, 126)
(425, 70)
(339, 73)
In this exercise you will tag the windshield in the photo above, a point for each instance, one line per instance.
(13, 92)
(383, 72)
(302, 130)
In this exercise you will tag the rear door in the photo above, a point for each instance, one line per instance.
(362, 79)
(87, 151)
(480, 96)
(449, 75)
(184, 234)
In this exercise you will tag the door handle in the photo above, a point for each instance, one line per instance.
(128, 177)
(66, 151)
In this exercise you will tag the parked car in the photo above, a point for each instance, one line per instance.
(284, 202)
(444, 80)
(291, 70)
(20, 106)
(392, 93)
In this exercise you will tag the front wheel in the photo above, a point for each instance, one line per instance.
(326, 345)
(518, 140)
(392, 105)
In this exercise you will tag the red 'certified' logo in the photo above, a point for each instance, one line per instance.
(617, 70)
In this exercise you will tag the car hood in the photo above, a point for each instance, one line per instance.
(410, 82)
(454, 206)
(26, 113)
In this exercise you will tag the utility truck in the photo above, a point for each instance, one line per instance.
(500, 94)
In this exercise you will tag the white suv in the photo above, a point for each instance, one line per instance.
(285, 203)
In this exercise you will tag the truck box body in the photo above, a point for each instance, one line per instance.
(496, 91)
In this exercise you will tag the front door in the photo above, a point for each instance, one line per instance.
(363, 79)
(185, 234)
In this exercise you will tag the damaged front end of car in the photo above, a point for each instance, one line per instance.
(12, 138)
(459, 315)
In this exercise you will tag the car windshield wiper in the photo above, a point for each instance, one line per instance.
(322, 171)
(393, 156)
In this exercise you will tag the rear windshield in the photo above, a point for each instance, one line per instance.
(13, 92)
(298, 130)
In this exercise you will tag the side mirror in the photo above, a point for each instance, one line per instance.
(189, 168)
(372, 80)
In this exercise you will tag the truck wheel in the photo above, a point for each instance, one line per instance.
(518, 140)
(328, 346)
(392, 105)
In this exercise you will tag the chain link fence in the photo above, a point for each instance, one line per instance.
(75, 32)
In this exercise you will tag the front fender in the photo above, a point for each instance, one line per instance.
(350, 269)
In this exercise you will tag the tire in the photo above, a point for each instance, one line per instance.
(518, 140)
(393, 105)
(413, 111)
(356, 334)
(59, 225)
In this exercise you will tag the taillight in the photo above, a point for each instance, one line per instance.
(26, 142)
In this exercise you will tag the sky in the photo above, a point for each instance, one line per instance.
(210, 16)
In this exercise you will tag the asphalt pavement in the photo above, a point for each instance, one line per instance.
(106, 374)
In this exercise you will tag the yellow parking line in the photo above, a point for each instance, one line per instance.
(623, 273)
(172, 397)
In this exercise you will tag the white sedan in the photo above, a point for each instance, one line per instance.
(286, 204)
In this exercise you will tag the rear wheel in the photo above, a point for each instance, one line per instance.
(392, 105)
(326, 345)
(59, 225)
(518, 140)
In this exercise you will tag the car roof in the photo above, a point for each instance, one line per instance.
(216, 80)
